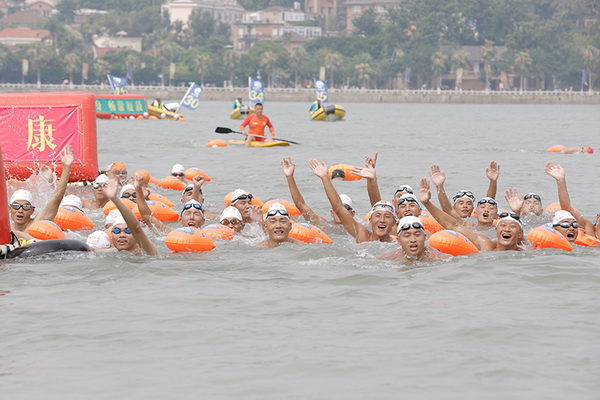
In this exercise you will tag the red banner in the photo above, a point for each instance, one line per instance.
(39, 133)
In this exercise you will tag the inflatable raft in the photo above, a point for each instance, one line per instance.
(260, 144)
(329, 113)
(240, 112)
(157, 112)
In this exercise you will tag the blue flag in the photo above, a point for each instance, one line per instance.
(117, 83)
(256, 92)
(322, 90)
(191, 99)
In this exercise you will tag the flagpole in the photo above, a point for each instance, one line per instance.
(582, 78)
(184, 96)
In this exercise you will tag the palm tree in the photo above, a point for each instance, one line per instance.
(298, 57)
(363, 73)
(268, 61)
(522, 65)
(39, 54)
(101, 68)
(438, 66)
(591, 61)
(333, 61)
(133, 64)
(231, 60)
(488, 52)
(164, 52)
(202, 63)
(460, 60)
(72, 63)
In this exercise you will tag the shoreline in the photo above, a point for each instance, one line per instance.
(336, 95)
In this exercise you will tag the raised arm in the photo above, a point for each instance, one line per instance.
(438, 177)
(352, 227)
(198, 181)
(288, 170)
(368, 172)
(50, 210)
(145, 212)
(493, 173)
(514, 200)
(131, 220)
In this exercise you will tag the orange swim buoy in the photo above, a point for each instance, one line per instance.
(170, 182)
(157, 197)
(546, 237)
(451, 242)
(430, 223)
(343, 172)
(111, 206)
(216, 143)
(155, 181)
(188, 239)
(152, 117)
(159, 210)
(68, 217)
(290, 207)
(308, 234)
(583, 239)
(144, 174)
(557, 148)
(218, 231)
(191, 173)
(553, 207)
(255, 200)
(45, 230)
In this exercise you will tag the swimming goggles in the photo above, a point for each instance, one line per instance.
(566, 225)
(532, 196)
(25, 207)
(193, 205)
(409, 199)
(491, 201)
(404, 188)
(120, 171)
(178, 174)
(509, 215)
(347, 207)
(189, 189)
(116, 231)
(462, 194)
(231, 221)
(242, 197)
(99, 185)
(282, 212)
(383, 207)
(416, 225)
(128, 195)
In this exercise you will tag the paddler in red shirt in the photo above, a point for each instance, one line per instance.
(257, 122)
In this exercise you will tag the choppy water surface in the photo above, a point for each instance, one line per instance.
(327, 322)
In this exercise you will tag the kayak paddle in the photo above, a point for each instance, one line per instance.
(223, 130)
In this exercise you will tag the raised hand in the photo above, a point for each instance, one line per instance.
(319, 168)
(555, 170)
(424, 191)
(367, 172)
(371, 161)
(437, 175)
(288, 167)
(138, 181)
(513, 199)
(198, 180)
(67, 156)
(112, 188)
(493, 171)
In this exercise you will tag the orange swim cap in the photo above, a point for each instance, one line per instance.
(118, 165)
(588, 149)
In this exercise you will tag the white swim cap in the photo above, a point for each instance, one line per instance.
(177, 168)
(346, 201)
(561, 215)
(409, 222)
(71, 200)
(383, 205)
(192, 204)
(235, 196)
(102, 178)
(230, 212)
(411, 198)
(112, 216)
(277, 208)
(21, 195)
(129, 186)
(98, 240)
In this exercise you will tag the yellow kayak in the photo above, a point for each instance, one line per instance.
(329, 113)
(260, 144)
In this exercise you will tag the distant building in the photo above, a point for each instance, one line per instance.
(325, 8)
(226, 11)
(83, 14)
(105, 44)
(22, 19)
(21, 36)
(356, 8)
(42, 8)
(472, 75)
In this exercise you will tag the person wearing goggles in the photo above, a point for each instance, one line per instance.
(22, 208)
(126, 232)
(530, 204)
(288, 170)
(178, 171)
(193, 191)
(463, 203)
(412, 239)
(119, 170)
(277, 225)
(100, 199)
(509, 229)
(242, 200)
(232, 218)
(566, 224)
(382, 218)
(408, 205)
(559, 174)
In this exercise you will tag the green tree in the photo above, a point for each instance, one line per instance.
(268, 62)
(333, 61)
(231, 61)
(164, 53)
(522, 62)
(202, 64)
(101, 69)
(459, 59)
(591, 62)
(133, 63)
(40, 55)
(367, 24)
(72, 62)
(488, 53)
(298, 57)
(438, 66)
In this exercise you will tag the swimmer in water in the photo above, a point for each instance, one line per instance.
(100, 199)
(566, 224)
(21, 206)
(120, 171)
(530, 204)
(288, 170)
(382, 219)
(232, 218)
(178, 171)
(126, 232)
(559, 174)
(413, 246)
(193, 191)
(277, 225)
(242, 200)
(578, 150)
(509, 229)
